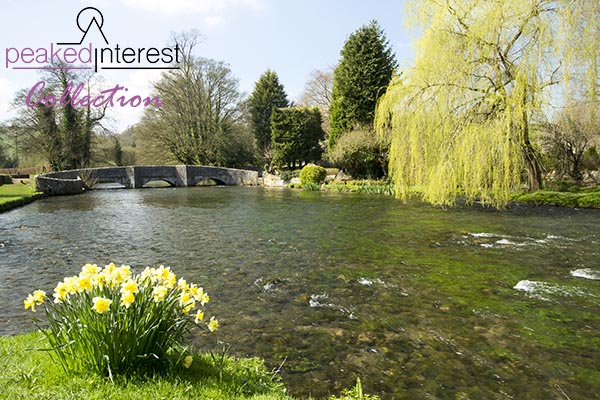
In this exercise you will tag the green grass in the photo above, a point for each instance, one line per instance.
(28, 373)
(362, 186)
(16, 195)
(584, 198)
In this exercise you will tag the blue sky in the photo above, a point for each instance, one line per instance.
(292, 37)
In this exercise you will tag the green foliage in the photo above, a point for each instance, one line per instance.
(364, 186)
(360, 153)
(5, 160)
(112, 322)
(62, 135)
(365, 69)
(311, 187)
(268, 95)
(201, 115)
(591, 159)
(117, 152)
(312, 174)
(32, 374)
(296, 133)
(460, 123)
(589, 198)
(287, 176)
(356, 393)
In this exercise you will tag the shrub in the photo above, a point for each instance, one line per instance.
(287, 175)
(360, 154)
(312, 174)
(113, 322)
(591, 159)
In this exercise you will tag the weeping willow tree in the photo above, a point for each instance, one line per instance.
(460, 122)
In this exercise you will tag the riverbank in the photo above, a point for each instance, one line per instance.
(16, 195)
(579, 198)
(575, 198)
(29, 373)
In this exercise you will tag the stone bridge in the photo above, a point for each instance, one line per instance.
(77, 180)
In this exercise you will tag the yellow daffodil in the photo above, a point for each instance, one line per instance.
(195, 290)
(184, 299)
(204, 299)
(189, 307)
(71, 284)
(182, 284)
(60, 293)
(162, 272)
(148, 273)
(159, 293)
(89, 270)
(127, 299)
(101, 304)
(213, 324)
(130, 286)
(199, 316)
(85, 284)
(187, 362)
(170, 280)
(29, 302)
(39, 296)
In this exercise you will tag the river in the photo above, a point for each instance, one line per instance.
(419, 302)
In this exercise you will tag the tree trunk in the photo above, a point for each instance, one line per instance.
(534, 170)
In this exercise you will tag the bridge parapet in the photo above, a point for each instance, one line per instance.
(74, 181)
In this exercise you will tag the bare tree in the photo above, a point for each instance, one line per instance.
(568, 138)
(317, 93)
(202, 105)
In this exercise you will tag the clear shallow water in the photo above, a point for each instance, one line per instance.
(419, 302)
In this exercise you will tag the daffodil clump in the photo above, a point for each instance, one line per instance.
(112, 321)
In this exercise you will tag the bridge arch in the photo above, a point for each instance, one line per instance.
(75, 181)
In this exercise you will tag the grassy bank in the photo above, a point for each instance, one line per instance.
(28, 373)
(577, 197)
(362, 186)
(16, 195)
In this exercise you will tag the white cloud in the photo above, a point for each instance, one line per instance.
(7, 93)
(177, 7)
(212, 21)
(138, 83)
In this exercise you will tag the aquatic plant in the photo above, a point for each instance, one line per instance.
(110, 321)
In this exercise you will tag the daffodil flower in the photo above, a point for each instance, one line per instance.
(127, 299)
(213, 324)
(159, 293)
(101, 304)
(199, 316)
(29, 302)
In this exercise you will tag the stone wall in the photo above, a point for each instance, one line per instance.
(58, 186)
(68, 182)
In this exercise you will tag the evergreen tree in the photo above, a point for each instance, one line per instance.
(297, 133)
(268, 94)
(365, 70)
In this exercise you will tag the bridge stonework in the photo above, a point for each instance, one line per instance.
(75, 181)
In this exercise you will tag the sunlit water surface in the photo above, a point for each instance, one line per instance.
(419, 302)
